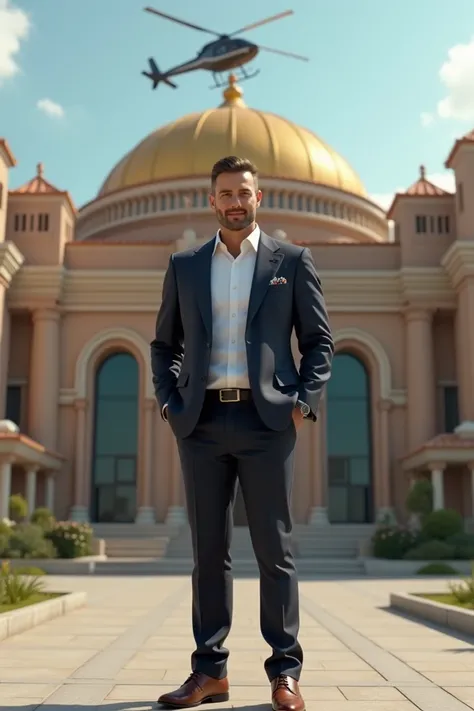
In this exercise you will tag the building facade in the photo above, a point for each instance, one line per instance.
(80, 289)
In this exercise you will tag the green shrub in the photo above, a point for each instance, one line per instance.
(16, 588)
(431, 550)
(463, 546)
(29, 570)
(442, 524)
(5, 529)
(392, 542)
(18, 508)
(43, 518)
(420, 498)
(70, 539)
(28, 541)
(464, 592)
(4, 543)
(437, 569)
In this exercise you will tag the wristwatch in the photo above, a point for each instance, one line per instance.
(303, 407)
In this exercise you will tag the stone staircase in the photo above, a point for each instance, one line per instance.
(129, 540)
(158, 549)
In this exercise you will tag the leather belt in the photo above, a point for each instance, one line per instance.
(232, 394)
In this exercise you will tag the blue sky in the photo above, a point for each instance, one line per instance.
(389, 84)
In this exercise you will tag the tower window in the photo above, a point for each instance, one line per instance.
(420, 224)
(43, 222)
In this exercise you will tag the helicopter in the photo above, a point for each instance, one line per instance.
(223, 54)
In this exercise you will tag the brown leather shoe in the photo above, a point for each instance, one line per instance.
(286, 695)
(197, 689)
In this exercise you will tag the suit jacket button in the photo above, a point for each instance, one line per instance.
(203, 378)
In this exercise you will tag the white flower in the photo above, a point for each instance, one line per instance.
(8, 522)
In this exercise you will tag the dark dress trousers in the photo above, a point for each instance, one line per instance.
(251, 441)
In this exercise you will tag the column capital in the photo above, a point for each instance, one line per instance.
(7, 459)
(46, 314)
(419, 313)
(436, 466)
(32, 468)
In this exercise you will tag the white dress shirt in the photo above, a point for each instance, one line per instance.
(231, 281)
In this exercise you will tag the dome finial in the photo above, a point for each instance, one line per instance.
(233, 93)
(40, 170)
(422, 172)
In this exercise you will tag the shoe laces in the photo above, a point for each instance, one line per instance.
(194, 677)
(282, 683)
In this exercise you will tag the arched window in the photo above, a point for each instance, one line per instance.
(349, 442)
(115, 444)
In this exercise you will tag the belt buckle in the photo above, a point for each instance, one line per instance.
(229, 399)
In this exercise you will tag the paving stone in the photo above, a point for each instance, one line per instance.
(122, 651)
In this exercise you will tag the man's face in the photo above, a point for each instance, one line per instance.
(235, 200)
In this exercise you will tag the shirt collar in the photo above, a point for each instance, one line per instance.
(249, 242)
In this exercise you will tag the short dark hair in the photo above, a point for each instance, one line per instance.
(233, 164)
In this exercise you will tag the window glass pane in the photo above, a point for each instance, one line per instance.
(349, 440)
(451, 408)
(348, 379)
(118, 376)
(116, 427)
(348, 427)
(13, 406)
(126, 470)
(116, 439)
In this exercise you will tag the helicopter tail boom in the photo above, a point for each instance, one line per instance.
(156, 76)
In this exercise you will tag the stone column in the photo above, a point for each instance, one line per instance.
(465, 350)
(383, 502)
(421, 390)
(49, 491)
(44, 378)
(31, 488)
(437, 479)
(146, 513)
(4, 355)
(318, 470)
(80, 508)
(5, 486)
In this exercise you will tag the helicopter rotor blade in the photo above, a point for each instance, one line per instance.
(285, 54)
(181, 22)
(280, 16)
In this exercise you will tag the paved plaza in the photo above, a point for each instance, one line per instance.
(133, 639)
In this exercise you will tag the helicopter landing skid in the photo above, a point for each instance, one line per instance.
(224, 83)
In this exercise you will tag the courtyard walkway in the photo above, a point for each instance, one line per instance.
(133, 640)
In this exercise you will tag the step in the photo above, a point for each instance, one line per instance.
(135, 547)
(312, 568)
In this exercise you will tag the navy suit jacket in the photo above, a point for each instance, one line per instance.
(180, 351)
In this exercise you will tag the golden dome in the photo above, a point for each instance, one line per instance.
(189, 147)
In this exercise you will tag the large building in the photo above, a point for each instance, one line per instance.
(79, 295)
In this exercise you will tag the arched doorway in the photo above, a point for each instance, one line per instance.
(349, 442)
(115, 442)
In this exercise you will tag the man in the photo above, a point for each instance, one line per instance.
(227, 383)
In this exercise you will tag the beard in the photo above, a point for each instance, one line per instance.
(237, 221)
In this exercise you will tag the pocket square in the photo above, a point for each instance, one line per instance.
(277, 280)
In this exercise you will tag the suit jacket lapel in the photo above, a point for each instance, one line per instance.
(201, 275)
(268, 260)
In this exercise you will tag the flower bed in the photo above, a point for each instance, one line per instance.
(42, 537)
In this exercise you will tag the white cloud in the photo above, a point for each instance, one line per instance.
(50, 108)
(457, 75)
(14, 27)
(426, 119)
(443, 180)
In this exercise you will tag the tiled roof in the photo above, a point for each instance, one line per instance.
(6, 148)
(38, 184)
(425, 188)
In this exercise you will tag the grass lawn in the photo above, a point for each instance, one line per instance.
(446, 599)
(37, 597)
